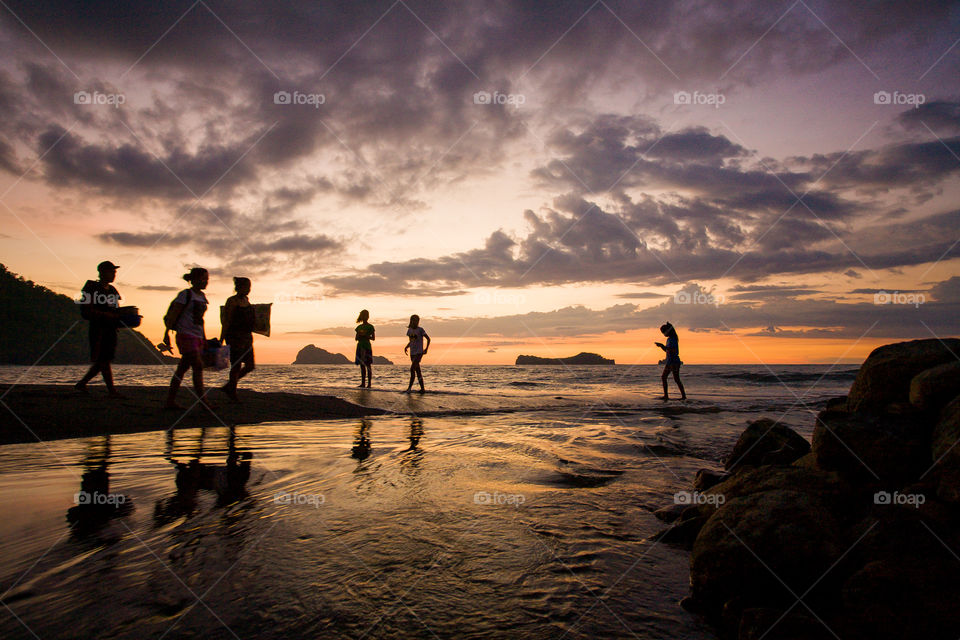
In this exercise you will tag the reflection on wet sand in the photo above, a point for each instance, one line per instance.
(94, 504)
(227, 480)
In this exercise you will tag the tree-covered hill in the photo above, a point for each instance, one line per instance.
(39, 326)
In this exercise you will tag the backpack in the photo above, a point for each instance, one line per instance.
(170, 319)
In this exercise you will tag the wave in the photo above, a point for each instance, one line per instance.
(789, 376)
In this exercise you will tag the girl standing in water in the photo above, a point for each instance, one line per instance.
(416, 334)
(364, 356)
(672, 362)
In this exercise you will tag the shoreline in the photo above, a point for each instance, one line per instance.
(40, 412)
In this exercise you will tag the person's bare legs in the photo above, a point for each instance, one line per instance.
(175, 382)
(88, 376)
(663, 378)
(369, 375)
(197, 365)
(107, 372)
(676, 377)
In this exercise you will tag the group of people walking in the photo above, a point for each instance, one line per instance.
(185, 317)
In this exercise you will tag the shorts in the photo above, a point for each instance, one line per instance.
(189, 345)
(363, 356)
(103, 343)
(415, 358)
(241, 350)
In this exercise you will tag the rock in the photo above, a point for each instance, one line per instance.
(886, 374)
(671, 513)
(707, 479)
(754, 545)
(767, 442)
(581, 358)
(905, 597)
(886, 449)
(828, 487)
(933, 388)
(946, 451)
(312, 354)
(757, 623)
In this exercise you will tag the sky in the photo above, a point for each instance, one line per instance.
(777, 179)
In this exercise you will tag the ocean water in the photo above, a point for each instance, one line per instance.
(505, 502)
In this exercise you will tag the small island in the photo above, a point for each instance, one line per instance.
(312, 354)
(581, 358)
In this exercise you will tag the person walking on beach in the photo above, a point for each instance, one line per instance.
(416, 334)
(237, 331)
(185, 317)
(672, 362)
(364, 356)
(98, 305)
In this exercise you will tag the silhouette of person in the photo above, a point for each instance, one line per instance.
(188, 309)
(361, 443)
(95, 505)
(237, 332)
(98, 305)
(672, 362)
(364, 357)
(417, 350)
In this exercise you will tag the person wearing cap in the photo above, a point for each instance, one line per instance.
(99, 302)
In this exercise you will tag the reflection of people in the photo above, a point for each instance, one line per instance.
(416, 334)
(672, 362)
(99, 306)
(361, 443)
(95, 505)
(187, 320)
(227, 480)
(416, 432)
(364, 357)
(237, 331)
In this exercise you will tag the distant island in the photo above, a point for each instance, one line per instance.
(41, 326)
(581, 358)
(312, 354)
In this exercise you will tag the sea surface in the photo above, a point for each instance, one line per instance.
(505, 502)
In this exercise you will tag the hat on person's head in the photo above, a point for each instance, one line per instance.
(106, 265)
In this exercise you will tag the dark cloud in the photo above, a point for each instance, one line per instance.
(688, 308)
(947, 291)
(940, 116)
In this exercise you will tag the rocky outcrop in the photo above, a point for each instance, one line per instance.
(886, 374)
(767, 442)
(312, 354)
(580, 358)
(856, 539)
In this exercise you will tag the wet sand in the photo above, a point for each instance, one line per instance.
(31, 412)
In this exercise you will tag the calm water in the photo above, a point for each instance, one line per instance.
(529, 518)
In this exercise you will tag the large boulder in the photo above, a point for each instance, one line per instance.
(766, 442)
(889, 450)
(885, 375)
(753, 546)
(945, 448)
(933, 388)
(905, 597)
(796, 624)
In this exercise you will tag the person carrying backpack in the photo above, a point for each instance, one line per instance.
(185, 317)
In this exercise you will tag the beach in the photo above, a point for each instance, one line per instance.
(504, 501)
